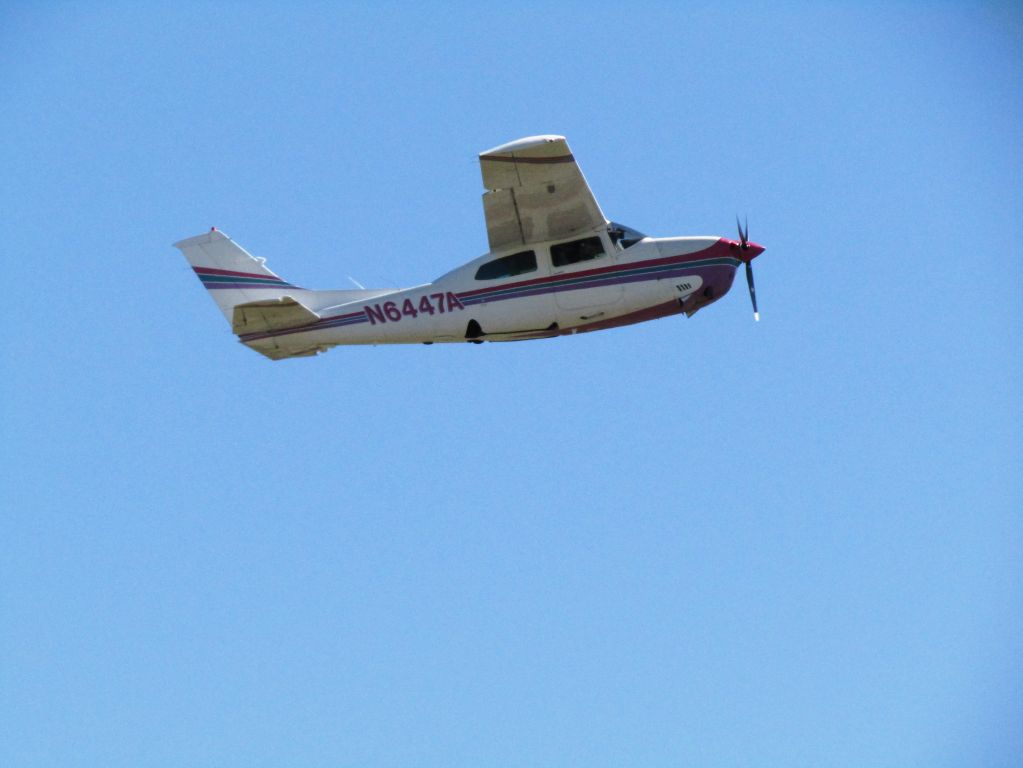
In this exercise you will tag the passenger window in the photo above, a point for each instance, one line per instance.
(575, 251)
(508, 266)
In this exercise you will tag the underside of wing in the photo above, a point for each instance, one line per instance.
(535, 192)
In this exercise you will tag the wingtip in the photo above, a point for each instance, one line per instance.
(519, 145)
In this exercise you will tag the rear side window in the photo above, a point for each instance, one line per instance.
(576, 250)
(508, 266)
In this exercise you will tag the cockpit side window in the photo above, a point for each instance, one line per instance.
(508, 266)
(575, 251)
(623, 235)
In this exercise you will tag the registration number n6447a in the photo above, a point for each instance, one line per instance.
(393, 312)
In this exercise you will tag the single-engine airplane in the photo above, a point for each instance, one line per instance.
(556, 266)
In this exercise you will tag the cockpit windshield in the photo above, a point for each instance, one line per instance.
(621, 234)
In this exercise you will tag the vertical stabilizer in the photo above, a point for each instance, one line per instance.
(231, 274)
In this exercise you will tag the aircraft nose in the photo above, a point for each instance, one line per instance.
(752, 250)
(748, 252)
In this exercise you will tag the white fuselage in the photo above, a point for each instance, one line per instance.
(652, 278)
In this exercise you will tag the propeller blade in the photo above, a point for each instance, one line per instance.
(743, 236)
(752, 290)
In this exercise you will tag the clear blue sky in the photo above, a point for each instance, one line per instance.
(700, 542)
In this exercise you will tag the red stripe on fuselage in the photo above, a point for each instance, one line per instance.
(697, 256)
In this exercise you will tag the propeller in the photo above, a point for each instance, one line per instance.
(744, 244)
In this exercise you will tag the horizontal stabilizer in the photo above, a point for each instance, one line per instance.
(271, 315)
(277, 348)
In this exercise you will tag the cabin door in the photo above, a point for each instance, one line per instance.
(585, 276)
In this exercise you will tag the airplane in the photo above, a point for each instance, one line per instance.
(556, 267)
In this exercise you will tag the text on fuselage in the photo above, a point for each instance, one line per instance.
(389, 311)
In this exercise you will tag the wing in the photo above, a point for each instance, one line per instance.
(535, 192)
